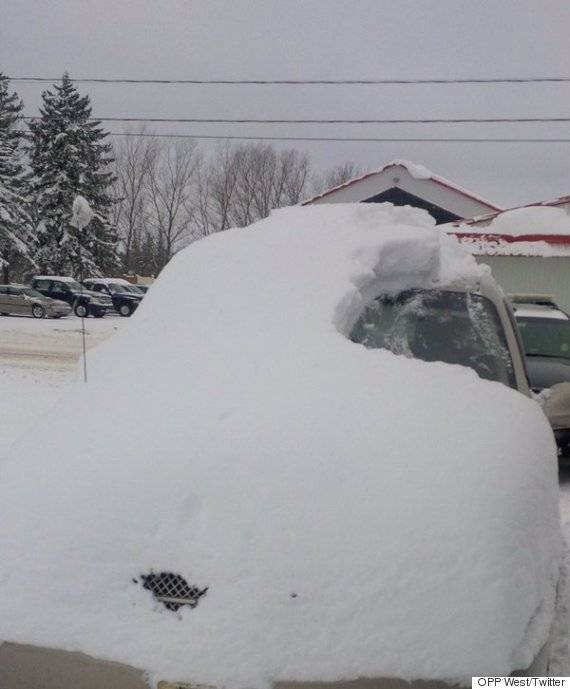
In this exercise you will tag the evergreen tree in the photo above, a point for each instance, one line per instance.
(68, 156)
(16, 239)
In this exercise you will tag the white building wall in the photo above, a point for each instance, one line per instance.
(533, 274)
(398, 176)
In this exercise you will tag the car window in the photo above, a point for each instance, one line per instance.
(15, 291)
(60, 286)
(3, 289)
(546, 337)
(437, 325)
(115, 288)
(42, 284)
(33, 293)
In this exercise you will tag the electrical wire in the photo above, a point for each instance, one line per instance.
(340, 138)
(228, 120)
(304, 82)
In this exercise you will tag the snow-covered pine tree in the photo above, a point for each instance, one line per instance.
(16, 239)
(69, 156)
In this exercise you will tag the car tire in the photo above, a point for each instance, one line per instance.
(125, 310)
(38, 311)
(81, 310)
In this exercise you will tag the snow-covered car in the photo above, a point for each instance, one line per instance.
(290, 505)
(545, 331)
(20, 300)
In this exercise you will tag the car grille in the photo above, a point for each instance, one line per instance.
(172, 590)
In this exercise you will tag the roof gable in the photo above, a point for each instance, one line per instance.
(414, 179)
(399, 197)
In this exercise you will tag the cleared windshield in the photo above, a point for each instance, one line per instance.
(117, 289)
(545, 337)
(72, 285)
(454, 327)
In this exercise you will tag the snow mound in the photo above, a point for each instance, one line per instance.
(353, 513)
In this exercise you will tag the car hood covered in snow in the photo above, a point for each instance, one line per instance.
(353, 513)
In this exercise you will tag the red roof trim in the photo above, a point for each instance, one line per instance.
(510, 239)
(437, 180)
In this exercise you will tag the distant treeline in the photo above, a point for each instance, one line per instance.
(151, 196)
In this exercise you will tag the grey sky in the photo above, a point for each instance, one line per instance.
(329, 39)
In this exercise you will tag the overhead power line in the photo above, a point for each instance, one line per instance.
(340, 138)
(304, 82)
(227, 120)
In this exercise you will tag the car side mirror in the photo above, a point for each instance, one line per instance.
(557, 405)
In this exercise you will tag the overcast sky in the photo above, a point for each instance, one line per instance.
(322, 39)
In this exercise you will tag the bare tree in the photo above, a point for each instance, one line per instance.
(135, 156)
(171, 196)
(215, 193)
(335, 176)
(245, 183)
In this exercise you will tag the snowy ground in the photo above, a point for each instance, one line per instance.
(38, 365)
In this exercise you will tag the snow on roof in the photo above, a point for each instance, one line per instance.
(418, 172)
(527, 220)
(415, 170)
(109, 281)
(496, 246)
(542, 230)
(354, 513)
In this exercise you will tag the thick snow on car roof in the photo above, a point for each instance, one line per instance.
(353, 513)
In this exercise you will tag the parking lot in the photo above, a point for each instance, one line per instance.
(50, 344)
(38, 362)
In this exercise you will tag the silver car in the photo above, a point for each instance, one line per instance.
(25, 301)
(473, 327)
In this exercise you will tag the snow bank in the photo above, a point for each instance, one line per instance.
(353, 513)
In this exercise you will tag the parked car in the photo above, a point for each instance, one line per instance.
(83, 301)
(545, 331)
(300, 501)
(479, 331)
(131, 287)
(125, 300)
(20, 300)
